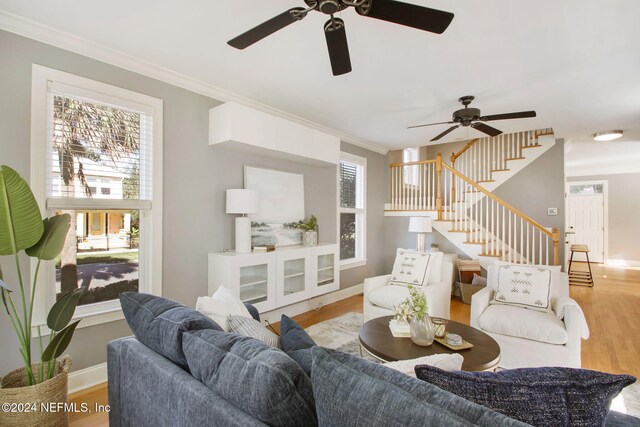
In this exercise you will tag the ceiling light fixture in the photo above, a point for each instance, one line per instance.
(608, 135)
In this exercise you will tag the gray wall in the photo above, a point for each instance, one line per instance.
(624, 211)
(195, 177)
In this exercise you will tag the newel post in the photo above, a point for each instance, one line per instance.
(556, 242)
(439, 185)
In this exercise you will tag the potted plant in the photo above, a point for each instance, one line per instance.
(309, 227)
(421, 327)
(435, 247)
(36, 384)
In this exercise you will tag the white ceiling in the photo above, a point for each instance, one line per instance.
(576, 62)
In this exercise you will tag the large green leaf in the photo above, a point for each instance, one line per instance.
(59, 343)
(20, 220)
(50, 244)
(62, 311)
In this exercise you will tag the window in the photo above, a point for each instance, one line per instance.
(351, 209)
(97, 153)
(411, 174)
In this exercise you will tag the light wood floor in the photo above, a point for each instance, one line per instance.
(612, 309)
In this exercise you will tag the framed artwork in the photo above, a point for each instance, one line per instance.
(281, 206)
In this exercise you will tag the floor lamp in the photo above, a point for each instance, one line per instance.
(241, 201)
(420, 225)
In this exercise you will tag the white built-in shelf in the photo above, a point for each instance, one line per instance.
(252, 281)
(293, 273)
(326, 268)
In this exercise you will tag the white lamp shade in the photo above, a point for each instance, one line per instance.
(419, 224)
(241, 201)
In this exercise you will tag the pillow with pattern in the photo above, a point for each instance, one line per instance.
(527, 286)
(250, 327)
(410, 268)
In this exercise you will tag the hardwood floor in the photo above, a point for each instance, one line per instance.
(611, 307)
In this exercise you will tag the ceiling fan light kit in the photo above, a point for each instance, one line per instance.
(607, 135)
(410, 15)
(472, 117)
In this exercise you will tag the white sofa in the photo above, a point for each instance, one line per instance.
(380, 297)
(530, 338)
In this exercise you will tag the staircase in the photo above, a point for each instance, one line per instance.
(460, 200)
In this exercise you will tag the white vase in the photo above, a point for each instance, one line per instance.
(310, 238)
(422, 331)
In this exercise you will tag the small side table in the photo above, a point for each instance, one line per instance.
(580, 278)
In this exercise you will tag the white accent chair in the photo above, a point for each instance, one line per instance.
(380, 296)
(530, 338)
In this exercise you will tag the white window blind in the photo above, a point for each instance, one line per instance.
(97, 150)
(351, 209)
(351, 185)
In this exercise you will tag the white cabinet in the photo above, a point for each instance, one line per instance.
(275, 279)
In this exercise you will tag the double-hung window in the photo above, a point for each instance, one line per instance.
(97, 156)
(352, 180)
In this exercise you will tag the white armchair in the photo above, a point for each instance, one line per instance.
(380, 296)
(530, 338)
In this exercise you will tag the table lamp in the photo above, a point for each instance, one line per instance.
(420, 225)
(241, 201)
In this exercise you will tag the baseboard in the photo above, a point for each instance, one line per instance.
(311, 304)
(88, 377)
(622, 263)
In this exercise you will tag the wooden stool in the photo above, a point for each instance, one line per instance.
(580, 278)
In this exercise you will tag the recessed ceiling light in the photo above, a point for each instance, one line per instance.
(607, 135)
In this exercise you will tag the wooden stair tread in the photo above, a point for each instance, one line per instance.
(479, 242)
(532, 146)
(500, 170)
(444, 220)
(486, 180)
(461, 231)
(515, 158)
(497, 255)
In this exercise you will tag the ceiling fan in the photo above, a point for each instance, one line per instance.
(471, 117)
(411, 15)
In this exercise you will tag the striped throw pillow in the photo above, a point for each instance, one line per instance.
(252, 328)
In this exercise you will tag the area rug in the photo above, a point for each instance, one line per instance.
(341, 333)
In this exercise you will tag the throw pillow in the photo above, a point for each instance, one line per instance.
(296, 342)
(479, 280)
(220, 305)
(527, 286)
(159, 323)
(350, 391)
(410, 268)
(250, 327)
(444, 361)
(260, 380)
(537, 396)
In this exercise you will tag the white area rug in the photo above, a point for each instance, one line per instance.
(341, 333)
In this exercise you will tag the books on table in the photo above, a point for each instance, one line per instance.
(399, 329)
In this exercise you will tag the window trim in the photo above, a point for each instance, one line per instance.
(45, 295)
(362, 259)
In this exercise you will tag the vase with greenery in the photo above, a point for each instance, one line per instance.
(22, 228)
(435, 247)
(309, 227)
(421, 327)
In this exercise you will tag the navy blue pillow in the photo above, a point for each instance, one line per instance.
(159, 323)
(296, 342)
(537, 396)
(261, 380)
(350, 391)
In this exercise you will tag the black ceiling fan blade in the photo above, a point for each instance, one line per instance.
(337, 45)
(506, 116)
(411, 15)
(452, 128)
(265, 29)
(491, 131)
(429, 124)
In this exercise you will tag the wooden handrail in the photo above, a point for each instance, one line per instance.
(419, 162)
(502, 202)
(455, 156)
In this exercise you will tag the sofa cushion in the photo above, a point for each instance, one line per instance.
(220, 305)
(388, 296)
(159, 323)
(296, 342)
(528, 324)
(262, 381)
(537, 396)
(350, 391)
(411, 268)
(435, 270)
(250, 327)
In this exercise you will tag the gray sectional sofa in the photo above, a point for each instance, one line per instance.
(190, 373)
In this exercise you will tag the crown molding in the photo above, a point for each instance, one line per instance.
(45, 34)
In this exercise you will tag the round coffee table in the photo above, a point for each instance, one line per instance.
(376, 338)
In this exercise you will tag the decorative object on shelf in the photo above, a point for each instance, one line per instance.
(310, 231)
(420, 225)
(22, 228)
(241, 201)
(435, 247)
(441, 326)
(264, 248)
(280, 208)
(421, 328)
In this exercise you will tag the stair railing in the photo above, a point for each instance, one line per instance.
(414, 185)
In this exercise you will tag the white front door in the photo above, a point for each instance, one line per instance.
(586, 219)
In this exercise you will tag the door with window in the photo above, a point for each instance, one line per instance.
(586, 219)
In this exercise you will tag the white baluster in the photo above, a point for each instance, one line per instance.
(521, 239)
(511, 245)
(503, 221)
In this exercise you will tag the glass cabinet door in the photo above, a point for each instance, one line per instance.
(326, 270)
(326, 267)
(292, 277)
(254, 281)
